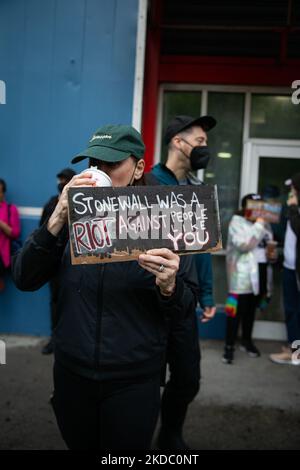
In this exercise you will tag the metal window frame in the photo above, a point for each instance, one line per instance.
(268, 148)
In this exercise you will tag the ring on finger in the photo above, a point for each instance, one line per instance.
(161, 268)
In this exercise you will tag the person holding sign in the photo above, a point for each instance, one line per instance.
(186, 138)
(110, 342)
(246, 275)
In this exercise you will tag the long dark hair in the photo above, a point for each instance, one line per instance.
(3, 184)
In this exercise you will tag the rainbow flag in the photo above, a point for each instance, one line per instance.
(231, 305)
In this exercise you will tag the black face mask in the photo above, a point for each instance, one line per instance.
(199, 156)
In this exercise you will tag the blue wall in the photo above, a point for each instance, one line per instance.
(68, 66)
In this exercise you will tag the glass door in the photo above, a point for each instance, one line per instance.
(265, 166)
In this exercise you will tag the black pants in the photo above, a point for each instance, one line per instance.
(245, 314)
(247, 304)
(183, 357)
(111, 415)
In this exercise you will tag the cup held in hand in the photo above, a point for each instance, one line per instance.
(272, 254)
(101, 178)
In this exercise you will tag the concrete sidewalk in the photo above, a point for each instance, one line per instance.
(252, 404)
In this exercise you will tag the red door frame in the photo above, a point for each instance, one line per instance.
(209, 70)
(151, 81)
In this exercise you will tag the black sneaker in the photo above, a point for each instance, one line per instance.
(249, 348)
(228, 355)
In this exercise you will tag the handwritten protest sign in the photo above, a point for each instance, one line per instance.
(270, 211)
(118, 224)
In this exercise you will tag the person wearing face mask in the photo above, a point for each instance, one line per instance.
(63, 177)
(186, 138)
(110, 341)
(247, 277)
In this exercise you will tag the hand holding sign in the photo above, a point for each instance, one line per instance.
(60, 214)
(164, 264)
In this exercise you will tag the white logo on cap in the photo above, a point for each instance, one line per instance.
(105, 136)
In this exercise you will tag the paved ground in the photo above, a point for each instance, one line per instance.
(252, 404)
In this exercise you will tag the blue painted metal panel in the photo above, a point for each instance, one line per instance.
(12, 31)
(68, 66)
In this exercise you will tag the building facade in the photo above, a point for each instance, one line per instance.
(239, 62)
(69, 67)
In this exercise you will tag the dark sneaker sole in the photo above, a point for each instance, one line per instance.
(227, 361)
(250, 354)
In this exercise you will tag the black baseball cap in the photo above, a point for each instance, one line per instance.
(113, 143)
(67, 173)
(180, 123)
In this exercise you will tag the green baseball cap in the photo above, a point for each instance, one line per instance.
(113, 143)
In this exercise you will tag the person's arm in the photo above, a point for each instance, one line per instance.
(13, 228)
(188, 274)
(246, 238)
(6, 229)
(15, 222)
(177, 287)
(205, 280)
(183, 302)
(39, 259)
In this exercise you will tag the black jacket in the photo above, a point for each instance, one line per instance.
(113, 319)
(48, 209)
(294, 218)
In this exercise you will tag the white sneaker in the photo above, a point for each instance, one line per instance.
(284, 358)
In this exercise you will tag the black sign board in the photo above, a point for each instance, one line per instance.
(118, 224)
